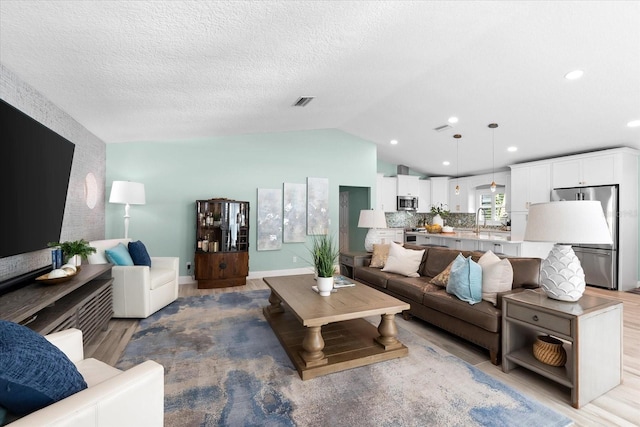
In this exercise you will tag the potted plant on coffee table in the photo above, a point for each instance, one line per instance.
(325, 254)
(74, 252)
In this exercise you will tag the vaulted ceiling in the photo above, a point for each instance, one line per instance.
(381, 70)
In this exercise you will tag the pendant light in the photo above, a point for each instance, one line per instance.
(493, 127)
(457, 137)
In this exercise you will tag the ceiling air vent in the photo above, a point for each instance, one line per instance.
(442, 128)
(303, 101)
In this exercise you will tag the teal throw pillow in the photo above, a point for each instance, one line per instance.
(139, 254)
(33, 372)
(465, 280)
(119, 255)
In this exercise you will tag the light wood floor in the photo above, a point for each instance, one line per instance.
(619, 407)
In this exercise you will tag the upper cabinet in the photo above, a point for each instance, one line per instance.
(439, 190)
(588, 169)
(386, 193)
(459, 202)
(408, 185)
(530, 184)
(424, 195)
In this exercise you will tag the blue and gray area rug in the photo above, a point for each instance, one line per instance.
(224, 366)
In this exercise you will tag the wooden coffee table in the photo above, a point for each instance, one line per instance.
(323, 335)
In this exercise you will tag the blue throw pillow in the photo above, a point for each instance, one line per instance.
(139, 254)
(465, 280)
(119, 255)
(33, 372)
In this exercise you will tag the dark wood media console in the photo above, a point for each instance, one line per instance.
(85, 302)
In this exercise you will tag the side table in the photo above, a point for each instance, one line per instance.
(348, 260)
(591, 330)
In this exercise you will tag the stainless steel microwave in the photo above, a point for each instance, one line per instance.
(407, 203)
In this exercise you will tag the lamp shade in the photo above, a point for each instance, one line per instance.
(372, 218)
(571, 222)
(127, 192)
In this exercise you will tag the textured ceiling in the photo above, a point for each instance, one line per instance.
(180, 70)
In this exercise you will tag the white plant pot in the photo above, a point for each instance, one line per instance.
(438, 220)
(75, 260)
(325, 285)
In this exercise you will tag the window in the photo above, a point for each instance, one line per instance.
(493, 205)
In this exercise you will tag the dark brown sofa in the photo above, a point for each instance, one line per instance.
(479, 323)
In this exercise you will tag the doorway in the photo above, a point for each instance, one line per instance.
(352, 201)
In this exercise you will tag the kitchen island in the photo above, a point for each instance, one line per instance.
(497, 241)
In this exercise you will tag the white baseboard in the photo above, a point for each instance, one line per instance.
(272, 273)
(184, 280)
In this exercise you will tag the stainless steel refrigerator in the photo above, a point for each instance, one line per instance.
(599, 262)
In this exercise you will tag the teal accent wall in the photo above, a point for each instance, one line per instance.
(175, 174)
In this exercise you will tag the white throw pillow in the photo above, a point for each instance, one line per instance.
(497, 276)
(403, 261)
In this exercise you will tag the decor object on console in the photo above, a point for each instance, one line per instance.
(74, 252)
(222, 244)
(127, 193)
(440, 213)
(565, 223)
(113, 397)
(138, 290)
(373, 220)
(325, 254)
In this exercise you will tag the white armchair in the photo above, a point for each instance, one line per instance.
(113, 398)
(139, 291)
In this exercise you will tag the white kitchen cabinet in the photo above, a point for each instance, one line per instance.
(529, 184)
(429, 239)
(505, 248)
(407, 185)
(424, 195)
(386, 193)
(582, 170)
(459, 203)
(439, 190)
(461, 244)
(388, 235)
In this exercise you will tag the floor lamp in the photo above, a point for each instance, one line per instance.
(127, 193)
(565, 223)
(372, 219)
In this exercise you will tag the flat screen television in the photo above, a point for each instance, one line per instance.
(35, 165)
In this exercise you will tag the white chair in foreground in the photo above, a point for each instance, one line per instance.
(139, 291)
(113, 398)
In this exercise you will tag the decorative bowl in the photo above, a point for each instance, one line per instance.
(45, 280)
(549, 351)
(434, 228)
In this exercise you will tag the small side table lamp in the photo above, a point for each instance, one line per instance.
(372, 219)
(565, 223)
(127, 193)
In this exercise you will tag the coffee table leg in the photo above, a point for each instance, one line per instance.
(312, 345)
(276, 304)
(388, 332)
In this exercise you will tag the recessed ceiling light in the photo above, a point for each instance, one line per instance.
(634, 123)
(446, 163)
(512, 149)
(453, 119)
(393, 142)
(574, 75)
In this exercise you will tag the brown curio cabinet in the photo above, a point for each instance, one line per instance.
(222, 243)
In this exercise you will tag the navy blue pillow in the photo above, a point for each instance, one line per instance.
(139, 253)
(33, 372)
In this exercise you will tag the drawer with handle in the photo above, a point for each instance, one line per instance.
(539, 318)
(346, 260)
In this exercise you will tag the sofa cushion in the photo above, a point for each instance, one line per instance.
(372, 276)
(442, 279)
(465, 280)
(119, 255)
(526, 272)
(139, 254)
(94, 371)
(160, 277)
(497, 276)
(33, 372)
(379, 255)
(403, 261)
(411, 287)
(483, 315)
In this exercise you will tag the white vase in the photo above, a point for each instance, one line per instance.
(438, 220)
(75, 260)
(561, 275)
(325, 285)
